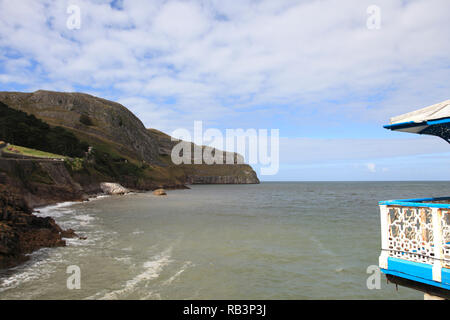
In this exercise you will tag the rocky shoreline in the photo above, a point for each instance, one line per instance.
(21, 232)
(29, 184)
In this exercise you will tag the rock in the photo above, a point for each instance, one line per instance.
(21, 232)
(113, 188)
(69, 233)
(160, 192)
(40, 182)
(3, 177)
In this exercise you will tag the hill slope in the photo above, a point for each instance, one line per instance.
(126, 151)
(86, 115)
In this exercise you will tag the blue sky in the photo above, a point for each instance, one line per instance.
(311, 69)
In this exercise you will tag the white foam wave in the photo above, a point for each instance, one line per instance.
(40, 266)
(84, 217)
(152, 270)
(177, 274)
(152, 296)
(126, 259)
(52, 209)
(99, 197)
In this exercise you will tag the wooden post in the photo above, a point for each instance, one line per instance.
(437, 241)
(383, 259)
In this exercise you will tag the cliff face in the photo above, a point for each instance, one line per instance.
(114, 130)
(195, 179)
(21, 232)
(204, 173)
(41, 182)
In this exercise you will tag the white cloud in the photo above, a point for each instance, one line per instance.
(301, 53)
(181, 21)
(219, 61)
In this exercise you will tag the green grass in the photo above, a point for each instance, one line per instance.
(75, 164)
(13, 149)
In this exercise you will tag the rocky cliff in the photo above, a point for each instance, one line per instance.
(237, 173)
(21, 232)
(42, 182)
(127, 152)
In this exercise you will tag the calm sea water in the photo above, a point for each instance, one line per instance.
(299, 240)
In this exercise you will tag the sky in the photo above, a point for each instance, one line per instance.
(314, 70)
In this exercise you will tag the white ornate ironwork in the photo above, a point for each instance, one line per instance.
(412, 233)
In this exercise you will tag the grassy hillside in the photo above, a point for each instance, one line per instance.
(90, 118)
(103, 163)
(17, 127)
(19, 150)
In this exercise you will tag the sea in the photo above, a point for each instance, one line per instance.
(275, 240)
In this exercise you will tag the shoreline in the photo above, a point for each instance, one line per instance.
(25, 229)
(88, 196)
(59, 236)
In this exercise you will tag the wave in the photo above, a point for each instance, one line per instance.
(40, 266)
(56, 210)
(152, 270)
(177, 274)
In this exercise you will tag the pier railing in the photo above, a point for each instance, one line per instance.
(418, 231)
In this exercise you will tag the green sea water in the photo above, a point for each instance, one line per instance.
(289, 240)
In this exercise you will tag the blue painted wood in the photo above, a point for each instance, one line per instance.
(438, 127)
(417, 279)
(403, 125)
(422, 202)
(416, 271)
(446, 276)
(421, 270)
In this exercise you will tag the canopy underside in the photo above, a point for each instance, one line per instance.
(433, 120)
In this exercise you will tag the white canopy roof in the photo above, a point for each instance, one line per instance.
(433, 120)
(436, 111)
